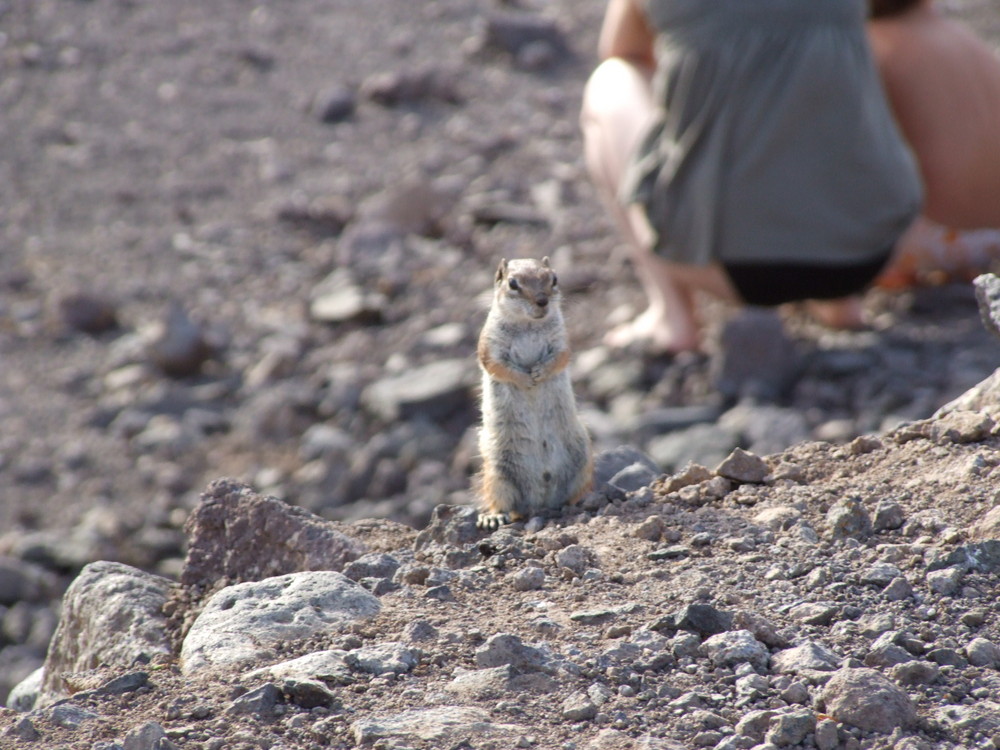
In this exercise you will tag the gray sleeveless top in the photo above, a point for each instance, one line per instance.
(774, 141)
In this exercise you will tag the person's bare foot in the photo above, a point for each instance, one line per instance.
(654, 331)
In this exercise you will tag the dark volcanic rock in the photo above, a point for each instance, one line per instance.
(235, 533)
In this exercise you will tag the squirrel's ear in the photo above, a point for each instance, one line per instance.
(545, 262)
(501, 270)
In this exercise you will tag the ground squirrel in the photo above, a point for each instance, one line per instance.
(536, 452)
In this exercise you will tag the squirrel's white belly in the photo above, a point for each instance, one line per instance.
(536, 429)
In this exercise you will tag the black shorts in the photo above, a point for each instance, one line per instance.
(770, 284)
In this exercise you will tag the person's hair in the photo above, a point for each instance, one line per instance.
(883, 8)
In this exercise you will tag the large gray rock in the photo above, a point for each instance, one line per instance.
(112, 614)
(22, 581)
(985, 397)
(241, 624)
(433, 391)
(237, 534)
(865, 699)
(763, 369)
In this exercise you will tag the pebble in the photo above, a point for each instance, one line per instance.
(382, 658)
(863, 698)
(578, 707)
(87, 313)
(742, 466)
(983, 653)
(334, 104)
(260, 701)
(176, 344)
(736, 647)
(507, 649)
(848, 518)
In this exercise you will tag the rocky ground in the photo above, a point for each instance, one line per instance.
(250, 241)
(827, 597)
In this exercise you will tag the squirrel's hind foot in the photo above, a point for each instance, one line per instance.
(492, 521)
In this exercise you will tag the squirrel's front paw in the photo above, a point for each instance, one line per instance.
(492, 521)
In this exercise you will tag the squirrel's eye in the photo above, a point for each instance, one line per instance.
(514, 285)
(555, 280)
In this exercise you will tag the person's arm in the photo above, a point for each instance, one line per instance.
(626, 33)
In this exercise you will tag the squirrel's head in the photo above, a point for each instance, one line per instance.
(527, 288)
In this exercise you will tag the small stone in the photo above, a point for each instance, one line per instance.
(634, 477)
(814, 613)
(334, 104)
(504, 648)
(987, 288)
(744, 467)
(947, 657)
(962, 427)
(126, 683)
(513, 32)
(88, 313)
(382, 658)
(703, 619)
(865, 699)
(148, 736)
(983, 653)
(23, 729)
(530, 578)
(810, 656)
(672, 552)
(177, 344)
(763, 629)
(974, 618)
(592, 617)
(338, 299)
(419, 631)
(915, 672)
(780, 518)
(260, 701)
(880, 574)
(826, 736)
(308, 693)
(847, 518)
(946, 582)
(651, 529)
(987, 527)
(736, 647)
(573, 558)
(578, 707)
(797, 692)
(373, 565)
(791, 728)
(898, 589)
(754, 724)
(752, 685)
(885, 651)
(888, 516)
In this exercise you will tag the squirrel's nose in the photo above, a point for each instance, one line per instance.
(542, 300)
